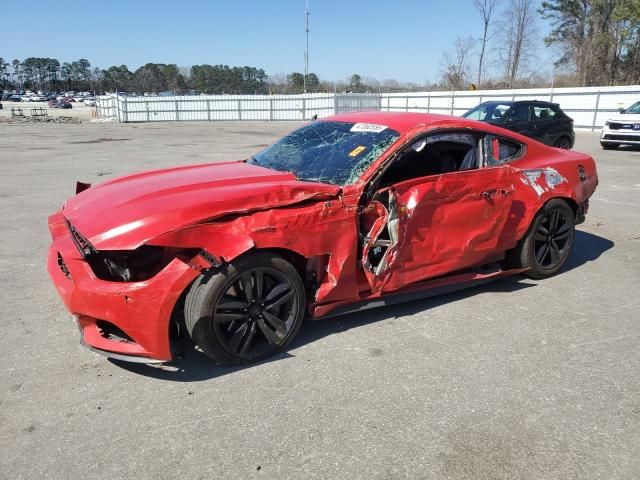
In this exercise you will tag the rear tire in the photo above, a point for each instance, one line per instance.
(609, 146)
(247, 310)
(547, 244)
(564, 143)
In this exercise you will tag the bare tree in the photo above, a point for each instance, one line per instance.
(518, 35)
(486, 9)
(455, 64)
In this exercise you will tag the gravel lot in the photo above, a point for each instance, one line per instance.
(513, 380)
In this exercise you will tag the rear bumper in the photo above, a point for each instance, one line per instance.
(123, 320)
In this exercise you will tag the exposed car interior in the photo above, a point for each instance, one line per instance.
(434, 155)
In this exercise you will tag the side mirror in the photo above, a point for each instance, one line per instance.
(622, 110)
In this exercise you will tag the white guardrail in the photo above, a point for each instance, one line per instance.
(590, 107)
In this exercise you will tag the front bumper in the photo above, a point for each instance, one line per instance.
(620, 136)
(139, 311)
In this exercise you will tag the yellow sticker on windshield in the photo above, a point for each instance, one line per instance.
(357, 151)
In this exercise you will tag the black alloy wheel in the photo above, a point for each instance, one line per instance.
(246, 310)
(552, 237)
(546, 246)
(256, 313)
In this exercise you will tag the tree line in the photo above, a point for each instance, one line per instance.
(594, 42)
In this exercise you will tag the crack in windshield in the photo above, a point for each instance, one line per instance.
(337, 153)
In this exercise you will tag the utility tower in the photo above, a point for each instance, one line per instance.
(307, 12)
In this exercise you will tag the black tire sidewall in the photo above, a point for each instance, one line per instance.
(535, 270)
(211, 285)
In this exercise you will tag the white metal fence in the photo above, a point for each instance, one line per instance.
(589, 107)
(232, 107)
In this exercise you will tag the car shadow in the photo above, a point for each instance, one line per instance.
(196, 367)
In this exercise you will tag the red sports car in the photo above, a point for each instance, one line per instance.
(348, 212)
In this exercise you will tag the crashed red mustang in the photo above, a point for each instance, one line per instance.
(345, 213)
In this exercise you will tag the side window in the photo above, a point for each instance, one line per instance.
(433, 155)
(519, 113)
(543, 113)
(499, 150)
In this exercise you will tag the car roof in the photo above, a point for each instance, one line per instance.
(515, 102)
(403, 121)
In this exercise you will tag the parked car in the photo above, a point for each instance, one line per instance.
(349, 212)
(90, 101)
(623, 129)
(59, 104)
(15, 98)
(542, 121)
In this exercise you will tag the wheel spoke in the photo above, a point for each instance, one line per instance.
(232, 305)
(271, 336)
(542, 253)
(553, 222)
(555, 253)
(249, 339)
(247, 287)
(277, 323)
(542, 230)
(278, 301)
(562, 236)
(237, 337)
(258, 284)
(276, 291)
(539, 237)
(220, 317)
(564, 228)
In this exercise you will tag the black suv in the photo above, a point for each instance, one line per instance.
(543, 121)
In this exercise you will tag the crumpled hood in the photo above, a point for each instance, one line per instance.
(126, 212)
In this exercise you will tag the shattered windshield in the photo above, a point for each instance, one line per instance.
(328, 152)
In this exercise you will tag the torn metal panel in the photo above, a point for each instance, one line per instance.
(302, 229)
(444, 223)
(542, 179)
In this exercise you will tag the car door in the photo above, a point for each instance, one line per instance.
(429, 226)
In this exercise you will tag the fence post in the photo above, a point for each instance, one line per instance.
(177, 114)
(595, 112)
(239, 109)
(271, 109)
(429, 103)
(208, 110)
(147, 106)
(118, 108)
(406, 103)
(304, 108)
(453, 100)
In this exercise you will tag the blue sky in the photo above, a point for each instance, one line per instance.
(404, 39)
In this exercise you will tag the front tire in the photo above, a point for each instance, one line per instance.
(247, 310)
(609, 146)
(546, 246)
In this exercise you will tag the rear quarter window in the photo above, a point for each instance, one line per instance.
(499, 150)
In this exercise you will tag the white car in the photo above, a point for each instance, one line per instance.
(623, 129)
(90, 101)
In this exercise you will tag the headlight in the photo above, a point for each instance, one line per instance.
(129, 266)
